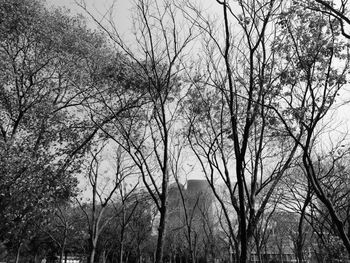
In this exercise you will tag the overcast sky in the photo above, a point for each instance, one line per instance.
(99, 8)
(122, 19)
(121, 11)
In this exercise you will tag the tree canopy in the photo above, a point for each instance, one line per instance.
(244, 100)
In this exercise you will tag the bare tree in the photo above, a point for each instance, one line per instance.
(297, 198)
(148, 132)
(233, 128)
(103, 192)
(314, 63)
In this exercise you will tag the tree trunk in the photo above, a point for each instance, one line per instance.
(63, 247)
(299, 243)
(161, 235)
(325, 200)
(242, 217)
(92, 252)
(104, 256)
(121, 252)
(258, 252)
(300, 237)
(92, 255)
(18, 253)
(139, 256)
(193, 257)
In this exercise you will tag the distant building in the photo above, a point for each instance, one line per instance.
(279, 243)
(200, 200)
(190, 206)
(197, 198)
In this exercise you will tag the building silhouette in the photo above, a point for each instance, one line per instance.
(196, 198)
(190, 219)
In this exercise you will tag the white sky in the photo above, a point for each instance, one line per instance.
(121, 11)
(122, 18)
(100, 8)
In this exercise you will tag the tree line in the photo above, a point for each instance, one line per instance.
(247, 98)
